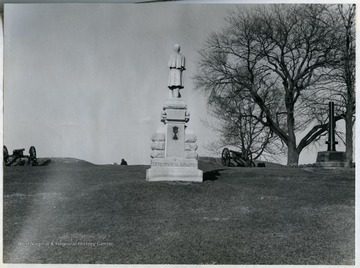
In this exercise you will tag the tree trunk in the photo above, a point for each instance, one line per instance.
(293, 155)
(349, 137)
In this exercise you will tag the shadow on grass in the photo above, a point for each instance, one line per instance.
(212, 175)
(45, 162)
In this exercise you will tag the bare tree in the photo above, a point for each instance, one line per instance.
(238, 128)
(280, 58)
(344, 77)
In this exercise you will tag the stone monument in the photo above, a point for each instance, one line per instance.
(331, 157)
(173, 156)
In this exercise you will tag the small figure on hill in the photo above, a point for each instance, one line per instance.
(176, 65)
(123, 162)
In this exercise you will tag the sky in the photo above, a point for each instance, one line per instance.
(89, 80)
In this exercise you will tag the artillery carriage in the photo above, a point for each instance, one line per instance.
(230, 158)
(18, 158)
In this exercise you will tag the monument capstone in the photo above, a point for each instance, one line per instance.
(173, 156)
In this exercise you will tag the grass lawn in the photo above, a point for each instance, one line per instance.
(76, 212)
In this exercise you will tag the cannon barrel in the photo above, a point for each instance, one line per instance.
(18, 152)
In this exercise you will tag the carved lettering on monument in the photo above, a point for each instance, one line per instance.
(173, 164)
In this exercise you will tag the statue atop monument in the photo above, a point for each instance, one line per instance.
(176, 65)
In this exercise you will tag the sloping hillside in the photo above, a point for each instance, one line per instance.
(72, 211)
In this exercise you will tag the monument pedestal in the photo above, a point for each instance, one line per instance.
(174, 156)
(331, 159)
(174, 169)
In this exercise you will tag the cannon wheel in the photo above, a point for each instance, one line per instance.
(5, 154)
(225, 157)
(32, 159)
(252, 164)
(32, 152)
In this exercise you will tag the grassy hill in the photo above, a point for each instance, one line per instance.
(217, 162)
(72, 211)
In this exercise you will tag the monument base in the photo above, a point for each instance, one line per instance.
(174, 169)
(328, 159)
(330, 164)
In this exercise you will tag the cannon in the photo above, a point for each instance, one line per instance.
(18, 158)
(230, 158)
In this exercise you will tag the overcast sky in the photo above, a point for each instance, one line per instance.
(89, 80)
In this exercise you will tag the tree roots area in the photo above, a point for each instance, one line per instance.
(77, 212)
